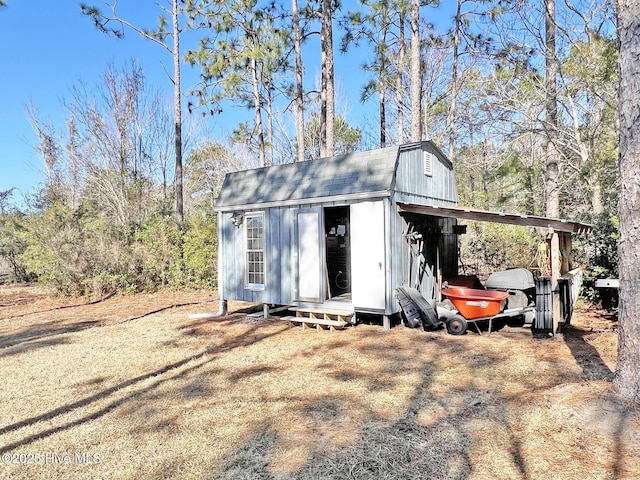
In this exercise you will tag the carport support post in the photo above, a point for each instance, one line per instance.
(566, 246)
(386, 322)
(556, 273)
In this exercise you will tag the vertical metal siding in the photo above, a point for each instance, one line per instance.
(370, 263)
(310, 281)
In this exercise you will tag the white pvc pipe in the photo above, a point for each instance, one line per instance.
(221, 313)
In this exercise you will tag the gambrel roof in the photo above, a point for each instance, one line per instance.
(359, 175)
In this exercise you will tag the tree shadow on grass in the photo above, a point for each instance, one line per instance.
(159, 310)
(33, 345)
(62, 307)
(586, 355)
(439, 434)
(168, 373)
(32, 336)
(609, 416)
(619, 434)
(404, 448)
(37, 332)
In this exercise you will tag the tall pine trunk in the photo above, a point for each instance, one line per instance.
(327, 102)
(382, 83)
(627, 379)
(415, 81)
(383, 114)
(399, 79)
(299, 100)
(177, 109)
(257, 105)
(451, 114)
(270, 139)
(552, 170)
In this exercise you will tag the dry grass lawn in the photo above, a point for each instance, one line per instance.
(130, 388)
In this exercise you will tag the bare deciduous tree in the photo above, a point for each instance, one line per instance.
(160, 36)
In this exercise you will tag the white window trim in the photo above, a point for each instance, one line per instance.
(245, 249)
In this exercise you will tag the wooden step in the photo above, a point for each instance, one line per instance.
(318, 322)
(325, 314)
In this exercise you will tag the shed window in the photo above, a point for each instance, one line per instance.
(254, 234)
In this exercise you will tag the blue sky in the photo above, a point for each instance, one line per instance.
(47, 46)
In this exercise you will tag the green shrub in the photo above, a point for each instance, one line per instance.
(13, 245)
(66, 249)
(80, 252)
(200, 251)
(597, 253)
(157, 257)
(489, 247)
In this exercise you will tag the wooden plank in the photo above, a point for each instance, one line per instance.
(346, 313)
(315, 321)
(557, 224)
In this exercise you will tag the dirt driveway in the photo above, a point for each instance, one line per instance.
(130, 388)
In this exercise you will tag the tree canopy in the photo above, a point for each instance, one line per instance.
(478, 82)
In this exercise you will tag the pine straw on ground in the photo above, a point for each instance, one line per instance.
(130, 388)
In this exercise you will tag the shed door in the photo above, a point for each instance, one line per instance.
(367, 256)
(309, 251)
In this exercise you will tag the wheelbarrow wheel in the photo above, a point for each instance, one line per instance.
(457, 325)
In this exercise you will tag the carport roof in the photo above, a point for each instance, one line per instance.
(468, 213)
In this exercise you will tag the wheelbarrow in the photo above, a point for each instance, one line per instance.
(472, 306)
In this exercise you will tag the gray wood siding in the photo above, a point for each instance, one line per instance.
(231, 258)
(278, 238)
(279, 243)
(449, 257)
(286, 265)
(399, 257)
(446, 240)
(413, 186)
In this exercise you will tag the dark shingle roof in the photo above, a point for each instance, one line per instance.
(359, 173)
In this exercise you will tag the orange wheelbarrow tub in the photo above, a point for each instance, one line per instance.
(473, 303)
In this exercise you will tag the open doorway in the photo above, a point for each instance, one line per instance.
(338, 251)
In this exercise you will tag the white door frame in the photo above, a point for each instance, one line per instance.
(308, 253)
(368, 259)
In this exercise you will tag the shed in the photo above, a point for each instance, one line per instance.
(329, 233)
(342, 233)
